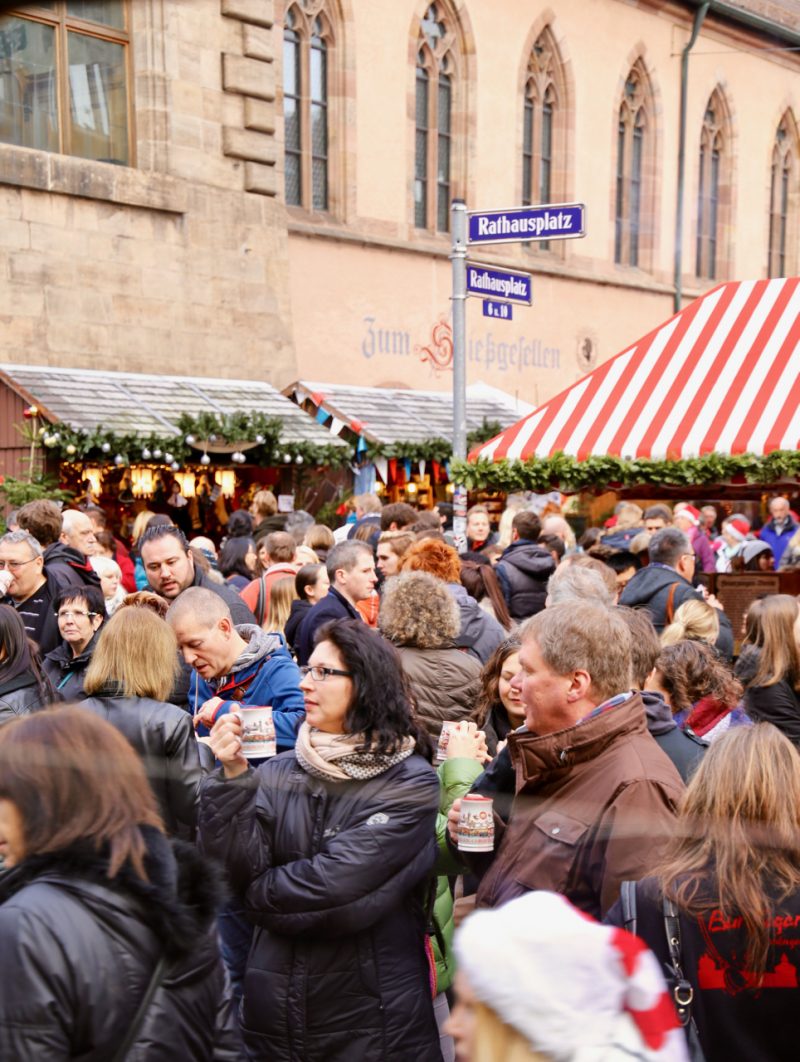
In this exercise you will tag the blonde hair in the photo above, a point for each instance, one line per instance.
(265, 503)
(136, 655)
(140, 523)
(628, 517)
(281, 595)
(739, 833)
(494, 1041)
(696, 621)
(770, 627)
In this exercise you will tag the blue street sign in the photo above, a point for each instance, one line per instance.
(558, 221)
(499, 284)
(503, 310)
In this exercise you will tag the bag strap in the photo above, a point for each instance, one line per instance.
(261, 605)
(138, 1019)
(671, 602)
(627, 895)
(682, 991)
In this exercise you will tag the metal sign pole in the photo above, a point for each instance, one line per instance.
(458, 256)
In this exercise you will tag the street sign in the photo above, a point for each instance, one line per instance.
(557, 221)
(505, 284)
(503, 310)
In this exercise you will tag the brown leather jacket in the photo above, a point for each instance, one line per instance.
(594, 805)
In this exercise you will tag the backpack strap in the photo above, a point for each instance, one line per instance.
(682, 991)
(671, 602)
(261, 604)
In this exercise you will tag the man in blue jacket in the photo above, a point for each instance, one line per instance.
(777, 531)
(234, 665)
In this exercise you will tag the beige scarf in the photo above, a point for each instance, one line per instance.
(338, 758)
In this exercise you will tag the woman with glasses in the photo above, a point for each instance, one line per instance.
(332, 847)
(23, 686)
(80, 612)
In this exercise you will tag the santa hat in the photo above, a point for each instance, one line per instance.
(574, 989)
(690, 513)
(738, 526)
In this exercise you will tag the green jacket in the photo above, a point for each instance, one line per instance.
(455, 779)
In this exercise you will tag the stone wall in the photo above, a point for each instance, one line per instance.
(179, 263)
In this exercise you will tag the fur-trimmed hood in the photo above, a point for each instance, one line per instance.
(178, 903)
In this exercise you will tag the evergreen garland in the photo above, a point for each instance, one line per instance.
(565, 473)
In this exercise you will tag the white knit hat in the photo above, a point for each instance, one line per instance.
(576, 990)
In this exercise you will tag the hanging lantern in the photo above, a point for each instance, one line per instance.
(146, 455)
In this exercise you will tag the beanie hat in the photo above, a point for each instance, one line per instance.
(738, 526)
(574, 989)
(750, 550)
(690, 513)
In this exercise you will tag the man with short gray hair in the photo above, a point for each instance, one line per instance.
(29, 589)
(777, 531)
(351, 570)
(595, 796)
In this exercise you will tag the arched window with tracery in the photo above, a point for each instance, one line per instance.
(307, 43)
(713, 189)
(634, 170)
(783, 203)
(543, 126)
(436, 89)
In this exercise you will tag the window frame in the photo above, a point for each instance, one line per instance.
(63, 24)
(439, 59)
(635, 146)
(307, 14)
(784, 200)
(543, 130)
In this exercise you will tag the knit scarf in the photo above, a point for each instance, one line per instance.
(338, 758)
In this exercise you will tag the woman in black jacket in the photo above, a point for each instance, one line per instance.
(23, 686)
(131, 675)
(332, 845)
(769, 664)
(80, 612)
(733, 872)
(311, 584)
(96, 906)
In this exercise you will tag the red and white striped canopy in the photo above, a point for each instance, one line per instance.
(722, 375)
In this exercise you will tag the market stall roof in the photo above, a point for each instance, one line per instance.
(395, 414)
(721, 376)
(128, 402)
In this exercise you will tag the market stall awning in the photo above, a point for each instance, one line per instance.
(400, 415)
(722, 376)
(143, 404)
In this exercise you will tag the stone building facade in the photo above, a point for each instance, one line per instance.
(282, 207)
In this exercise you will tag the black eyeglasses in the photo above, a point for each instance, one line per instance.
(319, 674)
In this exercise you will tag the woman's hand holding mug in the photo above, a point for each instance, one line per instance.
(226, 744)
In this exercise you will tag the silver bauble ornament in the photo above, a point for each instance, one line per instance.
(205, 460)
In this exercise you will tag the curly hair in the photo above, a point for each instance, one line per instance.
(434, 557)
(690, 670)
(417, 609)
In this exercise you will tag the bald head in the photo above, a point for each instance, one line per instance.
(205, 632)
(77, 531)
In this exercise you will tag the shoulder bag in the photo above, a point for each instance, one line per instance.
(679, 988)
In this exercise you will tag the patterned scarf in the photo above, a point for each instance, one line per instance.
(338, 758)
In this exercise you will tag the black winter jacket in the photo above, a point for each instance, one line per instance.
(66, 672)
(79, 951)
(69, 567)
(333, 606)
(650, 588)
(778, 704)
(683, 748)
(334, 877)
(298, 612)
(20, 696)
(523, 571)
(164, 738)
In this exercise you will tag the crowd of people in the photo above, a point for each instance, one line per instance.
(234, 778)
